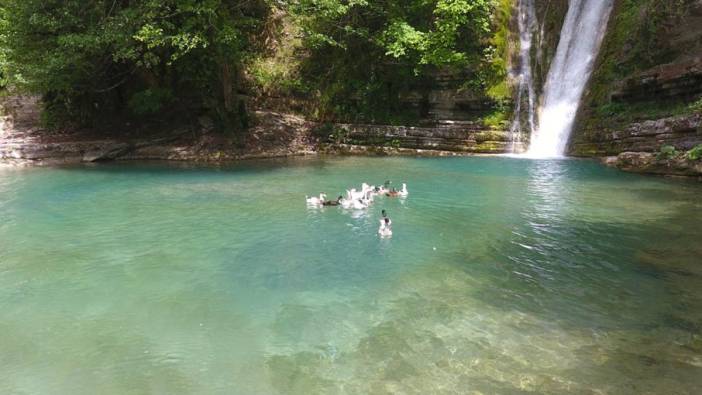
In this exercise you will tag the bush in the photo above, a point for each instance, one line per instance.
(149, 101)
(94, 61)
(395, 143)
(695, 153)
(696, 106)
(497, 120)
(667, 152)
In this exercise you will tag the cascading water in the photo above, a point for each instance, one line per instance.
(584, 28)
(525, 90)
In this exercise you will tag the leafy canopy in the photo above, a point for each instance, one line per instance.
(364, 54)
(92, 57)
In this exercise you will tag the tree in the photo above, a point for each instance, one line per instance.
(364, 53)
(135, 58)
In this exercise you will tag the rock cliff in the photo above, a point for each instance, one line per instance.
(647, 88)
(458, 137)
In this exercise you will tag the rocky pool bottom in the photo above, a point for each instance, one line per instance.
(504, 276)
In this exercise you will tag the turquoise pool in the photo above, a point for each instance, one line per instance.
(504, 276)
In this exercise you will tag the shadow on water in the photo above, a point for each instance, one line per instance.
(168, 167)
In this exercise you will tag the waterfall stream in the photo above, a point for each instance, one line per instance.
(583, 30)
(525, 80)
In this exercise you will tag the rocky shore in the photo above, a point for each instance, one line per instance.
(272, 135)
(276, 135)
(649, 163)
(23, 141)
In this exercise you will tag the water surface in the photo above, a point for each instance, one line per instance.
(504, 276)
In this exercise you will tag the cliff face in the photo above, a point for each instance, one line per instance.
(550, 15)
(445, 98)
(646, 91)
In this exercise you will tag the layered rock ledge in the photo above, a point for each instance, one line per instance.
(649, 163)
(684, 132)
(273, 134)
(457, 137)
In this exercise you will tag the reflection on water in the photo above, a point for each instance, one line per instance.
(504, 276)
(548, 189)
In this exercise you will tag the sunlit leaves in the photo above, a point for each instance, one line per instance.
(400, 28)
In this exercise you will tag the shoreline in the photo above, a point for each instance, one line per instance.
(175, 150)
(274, 135)
(663, 169)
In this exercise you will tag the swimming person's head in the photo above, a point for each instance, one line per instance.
(387, 220)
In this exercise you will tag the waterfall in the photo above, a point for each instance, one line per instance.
(584, 28)
(525, 82)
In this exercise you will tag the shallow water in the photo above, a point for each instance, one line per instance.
(504, 276)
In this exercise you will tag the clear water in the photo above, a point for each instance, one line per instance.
(504, 276)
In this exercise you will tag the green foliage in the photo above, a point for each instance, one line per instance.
(364, 55)
(149, 101)
(637, 39)
(666, 152)
(497, 119)
(156, 59)
(89, 58)
(695, 153)
(394, 143)
(494, 70)
(274, 70)
(696, 106)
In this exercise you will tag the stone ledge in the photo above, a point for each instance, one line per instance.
(461, 137)
(679, 81)
(647, 163)
(683, 132)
